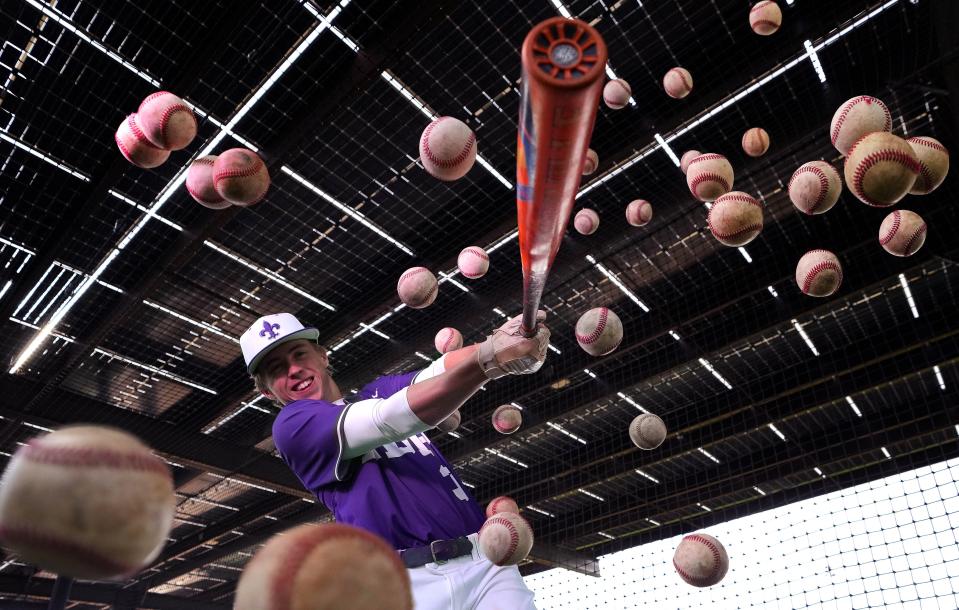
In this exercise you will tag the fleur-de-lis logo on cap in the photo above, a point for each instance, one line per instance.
(268, 329)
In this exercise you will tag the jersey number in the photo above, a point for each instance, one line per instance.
(458, 491)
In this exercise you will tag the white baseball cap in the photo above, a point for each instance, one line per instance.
(270, 331)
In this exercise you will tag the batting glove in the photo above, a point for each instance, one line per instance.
(508, 352)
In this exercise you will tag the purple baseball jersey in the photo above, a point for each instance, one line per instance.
(405, 491)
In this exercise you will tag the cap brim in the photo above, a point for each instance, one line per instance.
(311, 334)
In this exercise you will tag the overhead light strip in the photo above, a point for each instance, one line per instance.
(646, 475)
(715, 373)
(805, 337)
(776, 431)
(632, 402)
(189, 320)
(616, 282)
(708, 454)
(942, 382)
(154, 370)
(852, 405)
(905, 289)
(591, 494)
(6, 137)
(666, 148)
(814, 60)
(562, 430)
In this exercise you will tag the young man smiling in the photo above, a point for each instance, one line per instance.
(366, 457)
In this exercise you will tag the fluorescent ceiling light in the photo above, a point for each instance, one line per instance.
(905, 289)
(715, 373)
(805, 337)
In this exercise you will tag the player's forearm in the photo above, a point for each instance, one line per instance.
(434, 399)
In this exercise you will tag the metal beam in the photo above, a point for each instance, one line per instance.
(100, 594)
(553, 556)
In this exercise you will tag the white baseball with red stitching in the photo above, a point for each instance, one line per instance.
(507, 419)
(687, 157)
(902, 233)
(506, 539)
(447, 148)
(586, 221)
(167, 121)
(933, 164)
(447, 340)
(616, 94)
(881, 169)
(599, 331)
(639, 212)
(701, 560)
(86, 502)
(855, 118)
(240, 177)
(708, 176)
(473, 262)
(678, 82)
(818, 273)
(136, 148)
(815, 187)
(765, 17)
(501, 504)
(417, 287)
(591, 163)
(735, 218)
(451, 423)
(647, 431)
(199, 183)
(755, 142)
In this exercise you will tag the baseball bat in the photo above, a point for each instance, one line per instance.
(563, 65)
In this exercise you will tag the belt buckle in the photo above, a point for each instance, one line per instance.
(433, 552)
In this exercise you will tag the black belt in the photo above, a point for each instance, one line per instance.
(438, 551)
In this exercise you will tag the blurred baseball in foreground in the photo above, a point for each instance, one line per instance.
(502, 504)
(735, 219)
(818, 273)
(199, 183)
(324, 567)
(447, 340)
(855, 118)
(708, 176)
(647, 431)
(933, 164)
(616, 93)
(765, 17)
(687, 157)
(506, 539)
(447, 148)
(586, 221)
(507, 419)
(473, 262)
(451, 423)
(417, 287)
(167, 121)
(701, 560)
(599, 331)
(755, 142)
(881, 169)
(240, 176)
(639, 212)
(87, 502)
(678, 82)
(902, 233)
(592, 162)
(135, 146)
(815, 187)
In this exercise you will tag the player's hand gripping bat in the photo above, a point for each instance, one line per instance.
(563, 65)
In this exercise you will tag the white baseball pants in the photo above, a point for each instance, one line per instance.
(469, 583)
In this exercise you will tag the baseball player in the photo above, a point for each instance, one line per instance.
(366, 457)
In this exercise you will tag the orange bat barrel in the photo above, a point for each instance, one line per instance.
(563, 65)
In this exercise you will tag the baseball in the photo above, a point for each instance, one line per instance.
(199, 183)
(616, 94)
(881, 169)
(647, 431)
(735, 219)
(818, 273)
(417, 287)
(507, 419)
(902, 233)
(933, 164)
(502, 504)
(319, 567)
(687, 157)
(506, 539)
(586, 221)
(87, 502)
(448, 148)
(240, 176)
(167, 121)
(678, 82)
(708, 176)
(473, 262)
(815, 187)
(451, 423)
(592, 162)
(599, 331)
(765, 17)
(135, 146)
(755, 142)
(701, 560)
(855, 118)
(639, 212)
(447, 340)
